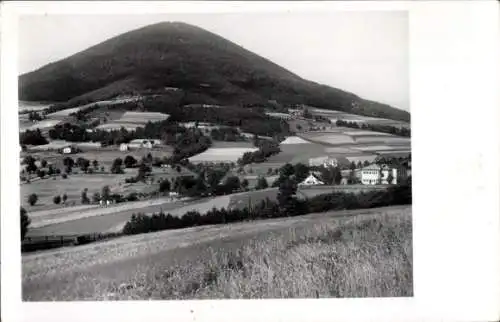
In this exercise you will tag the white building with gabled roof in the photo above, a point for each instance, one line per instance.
(311, 180)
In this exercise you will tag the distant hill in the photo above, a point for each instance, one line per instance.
(204, 66)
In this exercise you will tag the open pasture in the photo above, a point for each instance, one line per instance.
(329, 138)
(72, 186)
(28, 106)
(115, 126)
(42, 125)
(252, 198)
(142, 117)
(112, 219)
(63, 113)
(373, 148)
(221, 154)
(383, 139)
(106, 156)
(294, 140)
(235, 144)
(295, 153)
(96, 219)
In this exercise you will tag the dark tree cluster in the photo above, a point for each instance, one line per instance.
(266, 149)
(287, 206)
(399, 131)
(229, 134)
(34, 137)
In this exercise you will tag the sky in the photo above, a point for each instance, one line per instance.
(364, 52)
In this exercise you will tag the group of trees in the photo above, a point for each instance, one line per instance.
(399, 131)
(33, 137)
(226, 134)
(57, 199)
(286, 205)
(266, 149)
(35, 116)
(295, 173)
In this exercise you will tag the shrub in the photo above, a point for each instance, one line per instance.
(32, 199)
(64, 176)
(25, 222)
(57, 200)
(132, 196)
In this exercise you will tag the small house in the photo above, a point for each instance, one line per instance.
(124, 147)
(68, 150)
(311, 180)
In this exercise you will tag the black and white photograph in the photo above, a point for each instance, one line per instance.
(215, 156)
(222, 160)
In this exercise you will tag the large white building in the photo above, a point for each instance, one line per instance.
(379, 174)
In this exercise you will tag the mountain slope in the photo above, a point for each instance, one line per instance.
(202, 64)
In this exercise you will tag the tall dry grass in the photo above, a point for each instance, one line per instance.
(368, 256)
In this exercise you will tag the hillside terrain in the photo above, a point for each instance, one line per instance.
(187, 65)
(298, 257)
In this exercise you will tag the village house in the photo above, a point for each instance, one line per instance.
(124, 147)
(311, 180)
(327, 161)
(379, 174)
(143, 143)
(68, 150)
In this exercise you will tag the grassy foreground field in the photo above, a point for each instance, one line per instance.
(357, 253)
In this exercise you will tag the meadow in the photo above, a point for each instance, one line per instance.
(72, 186)
(111, 219)
(221, 154)
(308, 256)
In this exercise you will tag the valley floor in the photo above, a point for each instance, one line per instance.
(355, 253)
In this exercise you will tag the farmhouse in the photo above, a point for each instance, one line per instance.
(311, 180)
(68, 150)
(143, 143)
(124, 147)
(379, 174)
(326, 161)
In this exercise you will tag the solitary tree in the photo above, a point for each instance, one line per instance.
(244, 184)
(25, 222)
(64, 198)
(390, 178)
(105, 192)
(129, 161)
(301, 172)
(57, 200)
(85, 198)
(287, 197)
(32, 199)
(165, 185)
(262, 183)
(96, 197)
(95, 163)
(117, 166)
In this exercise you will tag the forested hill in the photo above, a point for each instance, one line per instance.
(205, 67)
